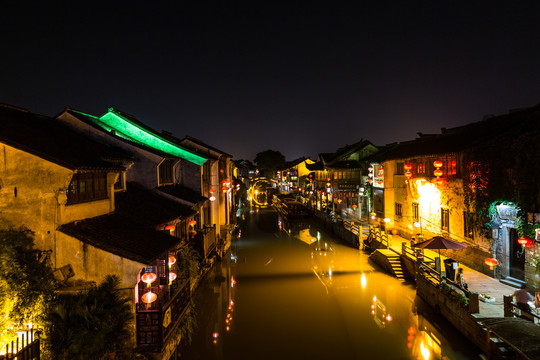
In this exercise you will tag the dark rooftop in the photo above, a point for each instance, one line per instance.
(149, 207)
(183, 193)
(121, 236)
(461, 138)
(53, 141)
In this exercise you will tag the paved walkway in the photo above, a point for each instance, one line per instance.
(477, 281)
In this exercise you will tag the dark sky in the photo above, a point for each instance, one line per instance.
(300, 80)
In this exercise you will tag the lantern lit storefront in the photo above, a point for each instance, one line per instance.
(161, 297)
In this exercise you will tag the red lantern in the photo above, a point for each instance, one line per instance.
(373, 214)
(408, 174)
(149, 278)
(523, 241)
(408, 166)
(437, 163)
(354, 207)
(192, 223)
(438, 172)
(169, 227)
(172, 260)
(149, 297)
(491, 262)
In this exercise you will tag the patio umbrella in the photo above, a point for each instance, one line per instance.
(438, 243)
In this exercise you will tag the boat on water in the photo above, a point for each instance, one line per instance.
(293, 209)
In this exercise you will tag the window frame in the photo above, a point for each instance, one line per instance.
(94, 184)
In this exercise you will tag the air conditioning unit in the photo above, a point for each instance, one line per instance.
(64, 273)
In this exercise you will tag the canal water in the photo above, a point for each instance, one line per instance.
(289, 290)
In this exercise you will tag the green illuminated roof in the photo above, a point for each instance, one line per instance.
(132, 130)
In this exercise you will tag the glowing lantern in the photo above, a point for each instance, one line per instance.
(437, 163)
(438, 172)
(354, 207)
(192, 223)
(407, 166)
(523, 241)
(370, 181)
(149, 297)
(370, 168)
(149, 278)
(370, 174)
(172, 276)
(212, 198)
(491, 262)
(408, 174)
(387, 220)
(169, 227)
(372, 214)
(172, 260)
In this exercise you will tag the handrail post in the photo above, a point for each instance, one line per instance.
(474, 303)
(508, 307)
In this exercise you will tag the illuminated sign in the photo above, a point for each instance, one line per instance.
(506, 212)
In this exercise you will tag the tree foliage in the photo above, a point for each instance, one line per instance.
(26, 282)
(90, 324)
(270, 161)
(503, 170)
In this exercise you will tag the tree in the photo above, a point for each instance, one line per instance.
(269, 162)
(26, 281)
(90, 324)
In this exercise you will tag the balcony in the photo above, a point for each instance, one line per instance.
(154, 326)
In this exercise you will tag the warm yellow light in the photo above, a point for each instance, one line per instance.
(363, 280)
(424, 350)
(386, 220)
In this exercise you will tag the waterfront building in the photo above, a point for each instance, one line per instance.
(339, 179)
(477, 184)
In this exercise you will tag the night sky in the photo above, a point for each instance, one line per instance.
(299, 79)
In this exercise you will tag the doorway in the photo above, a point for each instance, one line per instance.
(517, 256)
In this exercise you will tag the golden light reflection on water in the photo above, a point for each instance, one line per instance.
(320, 300)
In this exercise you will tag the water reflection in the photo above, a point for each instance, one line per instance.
(295, 292)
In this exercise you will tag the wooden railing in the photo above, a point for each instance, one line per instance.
(511, 309)
(25, 349)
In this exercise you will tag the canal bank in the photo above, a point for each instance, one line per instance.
(484, 313)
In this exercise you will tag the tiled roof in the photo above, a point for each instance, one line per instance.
(346, 150)
(53, 141)
(121, 236)
(96, 123)
(201, 143)
(345, 164)
(183, 193)
(461, 138)
(318, 166)
(149, 207)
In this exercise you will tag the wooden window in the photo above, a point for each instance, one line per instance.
(166, 171)
(445, 219)
(468, 228)
(87, 186)
(415, 212)
(399, 168)
(398, 207)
